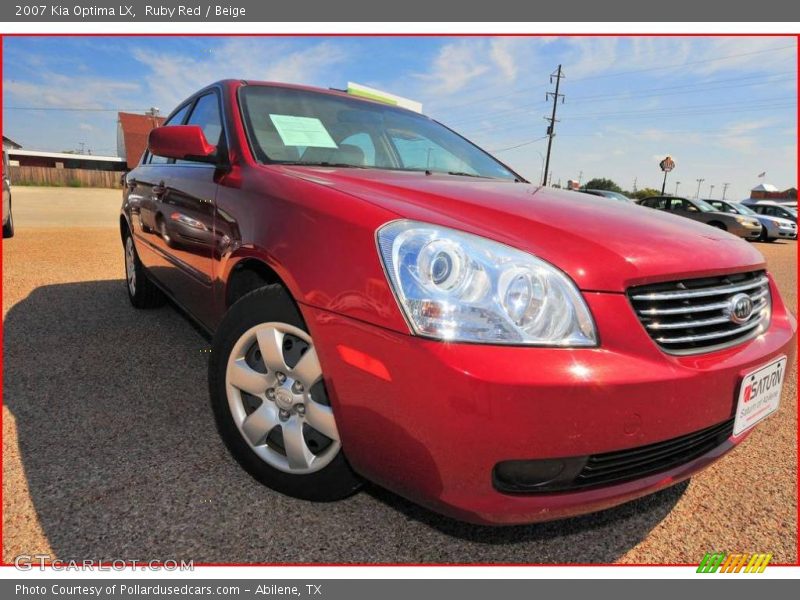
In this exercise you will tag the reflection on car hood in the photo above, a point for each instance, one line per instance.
(603, 244)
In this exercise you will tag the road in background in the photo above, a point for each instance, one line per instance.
(110, 450)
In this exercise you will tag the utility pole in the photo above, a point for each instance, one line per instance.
(711, 192)
(724, 189)
(635, 180)
(580, 178)
(551, 129)
(677, 184)
(699, 182)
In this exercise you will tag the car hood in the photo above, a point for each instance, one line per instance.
(603, 244)
(776, 221)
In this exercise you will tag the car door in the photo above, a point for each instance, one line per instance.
(142, 197)
(186, 218)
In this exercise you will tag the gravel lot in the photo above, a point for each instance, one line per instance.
(110, 451)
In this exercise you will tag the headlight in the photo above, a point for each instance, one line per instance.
(746, 221)
(461, 287)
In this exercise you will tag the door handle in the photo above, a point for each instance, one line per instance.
(159, 190)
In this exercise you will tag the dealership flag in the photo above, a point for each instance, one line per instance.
(762, 174)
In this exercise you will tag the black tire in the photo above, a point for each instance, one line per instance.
(143, 293)
(8, 228)
(764, 235)
(268, 304)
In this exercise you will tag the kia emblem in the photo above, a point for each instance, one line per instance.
(740, 308)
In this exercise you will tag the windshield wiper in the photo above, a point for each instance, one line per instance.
(463, 174)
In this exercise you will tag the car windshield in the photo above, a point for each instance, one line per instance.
(616, 196)
(704, 206)
(743, 210)
(291, 126)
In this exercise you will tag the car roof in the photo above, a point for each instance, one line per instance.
(237, 83)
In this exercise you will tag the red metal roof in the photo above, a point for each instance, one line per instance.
(135, 129)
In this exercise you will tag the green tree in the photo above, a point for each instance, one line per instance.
(644, 193)
(602, 183)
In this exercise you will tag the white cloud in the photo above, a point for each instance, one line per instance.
(174, 76)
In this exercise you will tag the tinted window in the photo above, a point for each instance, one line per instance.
(176, 119)
(206, 116)
(678, 204)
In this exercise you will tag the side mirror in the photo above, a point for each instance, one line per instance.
(182, 142)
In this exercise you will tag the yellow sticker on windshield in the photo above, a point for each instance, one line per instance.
(302, 131)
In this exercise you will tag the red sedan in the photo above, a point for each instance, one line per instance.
(389, 302)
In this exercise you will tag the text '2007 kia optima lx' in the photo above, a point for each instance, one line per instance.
(389, 302)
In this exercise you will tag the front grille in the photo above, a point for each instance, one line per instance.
(695, 315)
(582, 472)
(624, 465)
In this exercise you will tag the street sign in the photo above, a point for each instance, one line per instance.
(666, 165)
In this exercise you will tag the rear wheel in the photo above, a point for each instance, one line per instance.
(270, 402)
(142, 292)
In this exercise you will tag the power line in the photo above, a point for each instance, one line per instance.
(615, 74)
(645, 93)
(528, 143)
(707, 132)
(657, 113)
(686, 64)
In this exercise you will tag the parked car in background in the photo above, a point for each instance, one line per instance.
(608, 194)
(773, 209)
(8, 218)
(698, 210)
(773, 228)
(388, 301)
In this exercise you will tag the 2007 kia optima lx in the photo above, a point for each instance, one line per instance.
(389, 302)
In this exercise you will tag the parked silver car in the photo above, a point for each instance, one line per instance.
(698, 210)
(8, 219)
(782, 210)
(773, 228)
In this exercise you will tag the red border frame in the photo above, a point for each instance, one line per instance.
(411, 35)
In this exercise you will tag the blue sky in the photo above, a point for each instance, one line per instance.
(724, 108)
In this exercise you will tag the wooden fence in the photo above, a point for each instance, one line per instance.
(64, 177)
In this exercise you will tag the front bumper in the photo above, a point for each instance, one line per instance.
(745, 231)
(430, 420)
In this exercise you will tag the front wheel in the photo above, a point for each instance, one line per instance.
(270, 402)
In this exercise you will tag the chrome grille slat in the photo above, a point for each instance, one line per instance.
(699, 322)
(712, 336)
(702, 293)
(655, 312)
(694, 315)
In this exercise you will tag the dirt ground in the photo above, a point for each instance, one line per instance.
(110, 451)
